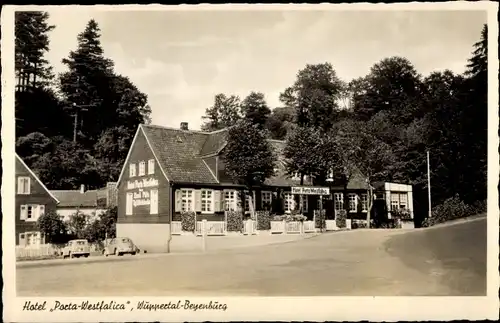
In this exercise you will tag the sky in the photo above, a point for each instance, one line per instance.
(182, 59)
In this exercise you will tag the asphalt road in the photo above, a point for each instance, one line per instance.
(448, 260)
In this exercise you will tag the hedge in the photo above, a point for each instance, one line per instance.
(453, 208)
(340, 219)
(263, 220)
(320, 219)
(234, 221)
(188, 221)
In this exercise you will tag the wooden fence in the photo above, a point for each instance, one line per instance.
(249, 227)
(213, 228)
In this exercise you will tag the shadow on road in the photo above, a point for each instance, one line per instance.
(456, 254)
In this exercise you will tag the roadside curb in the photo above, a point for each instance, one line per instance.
(96, 259)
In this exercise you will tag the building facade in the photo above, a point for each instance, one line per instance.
(32, 200)
(168, 171)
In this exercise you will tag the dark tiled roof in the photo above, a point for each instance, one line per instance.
(178, 153)
(214, 143)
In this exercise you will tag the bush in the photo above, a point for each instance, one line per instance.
(290, 217)
(188, 221)
(53, 228)
(358, 224)
(234, 221)
(263, 220)
(340, 219)
(319, 219)
(402, 214)
(451, 209)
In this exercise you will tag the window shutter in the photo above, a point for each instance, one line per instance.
(178, 200)
(22, 239)
(20, 185)
(153, 200)
(217, 201)
(24, 212)
(197, 200)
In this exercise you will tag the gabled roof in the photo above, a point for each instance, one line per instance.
(178, 153)
(36, 178)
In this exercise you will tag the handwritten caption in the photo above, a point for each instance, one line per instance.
(127, 306)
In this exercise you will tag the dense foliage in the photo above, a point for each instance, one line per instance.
(263, 220)
(89, 115)
(234, 221)
(188, 221)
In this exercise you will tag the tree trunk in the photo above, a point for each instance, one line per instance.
(301, 195)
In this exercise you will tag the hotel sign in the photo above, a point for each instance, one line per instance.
(305, 190)
(143, 195)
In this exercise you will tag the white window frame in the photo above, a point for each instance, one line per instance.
(132, 170)
(403, 201)
(20, 185)
(247, 202)
(266, 197)
(142, 168)
(153, 208)
(37, 238)
(151, 167)
(305, 204)
(338, 201)
(187, 200)
(129, 204)
(364, 202)
(230, 200)
(35, 212)
(349, 196)
(207, 202)
(394, 201)
(289, 202)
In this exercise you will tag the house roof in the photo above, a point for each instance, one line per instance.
(178, 153)
(75, 198)
(36, 178)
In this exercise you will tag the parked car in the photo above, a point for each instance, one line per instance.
(120, 246)
(76, 248)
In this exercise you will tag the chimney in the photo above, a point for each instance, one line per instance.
(184, 126)
(82, 188)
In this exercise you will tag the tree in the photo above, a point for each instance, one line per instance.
(248, 156)
(392, 85)
(315, 96)
(478, 63)
(87, 85)
(52, 227)
(280, 122)
(225, 112)
(108, 222)
(77, 225)
(31, 44)
(255, 109)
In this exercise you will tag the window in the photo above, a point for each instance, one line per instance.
(32, 238)
(23, 185)
(399, 201)
(129, 204)
(187, 200)
(230, 200)
(247, 201)
(31, 213)
(364, 202)
(289, 202)
(305, 203)
(153, 202)
(207, 201)
(132, 170)
(353, 202)
(339, 201)
(151, 167)
(142, 168)
(394, 201)
(266, 199)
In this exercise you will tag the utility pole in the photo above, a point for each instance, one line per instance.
(429, 184)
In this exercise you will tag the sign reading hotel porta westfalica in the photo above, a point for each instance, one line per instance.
(305, 190)
(142, 196)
